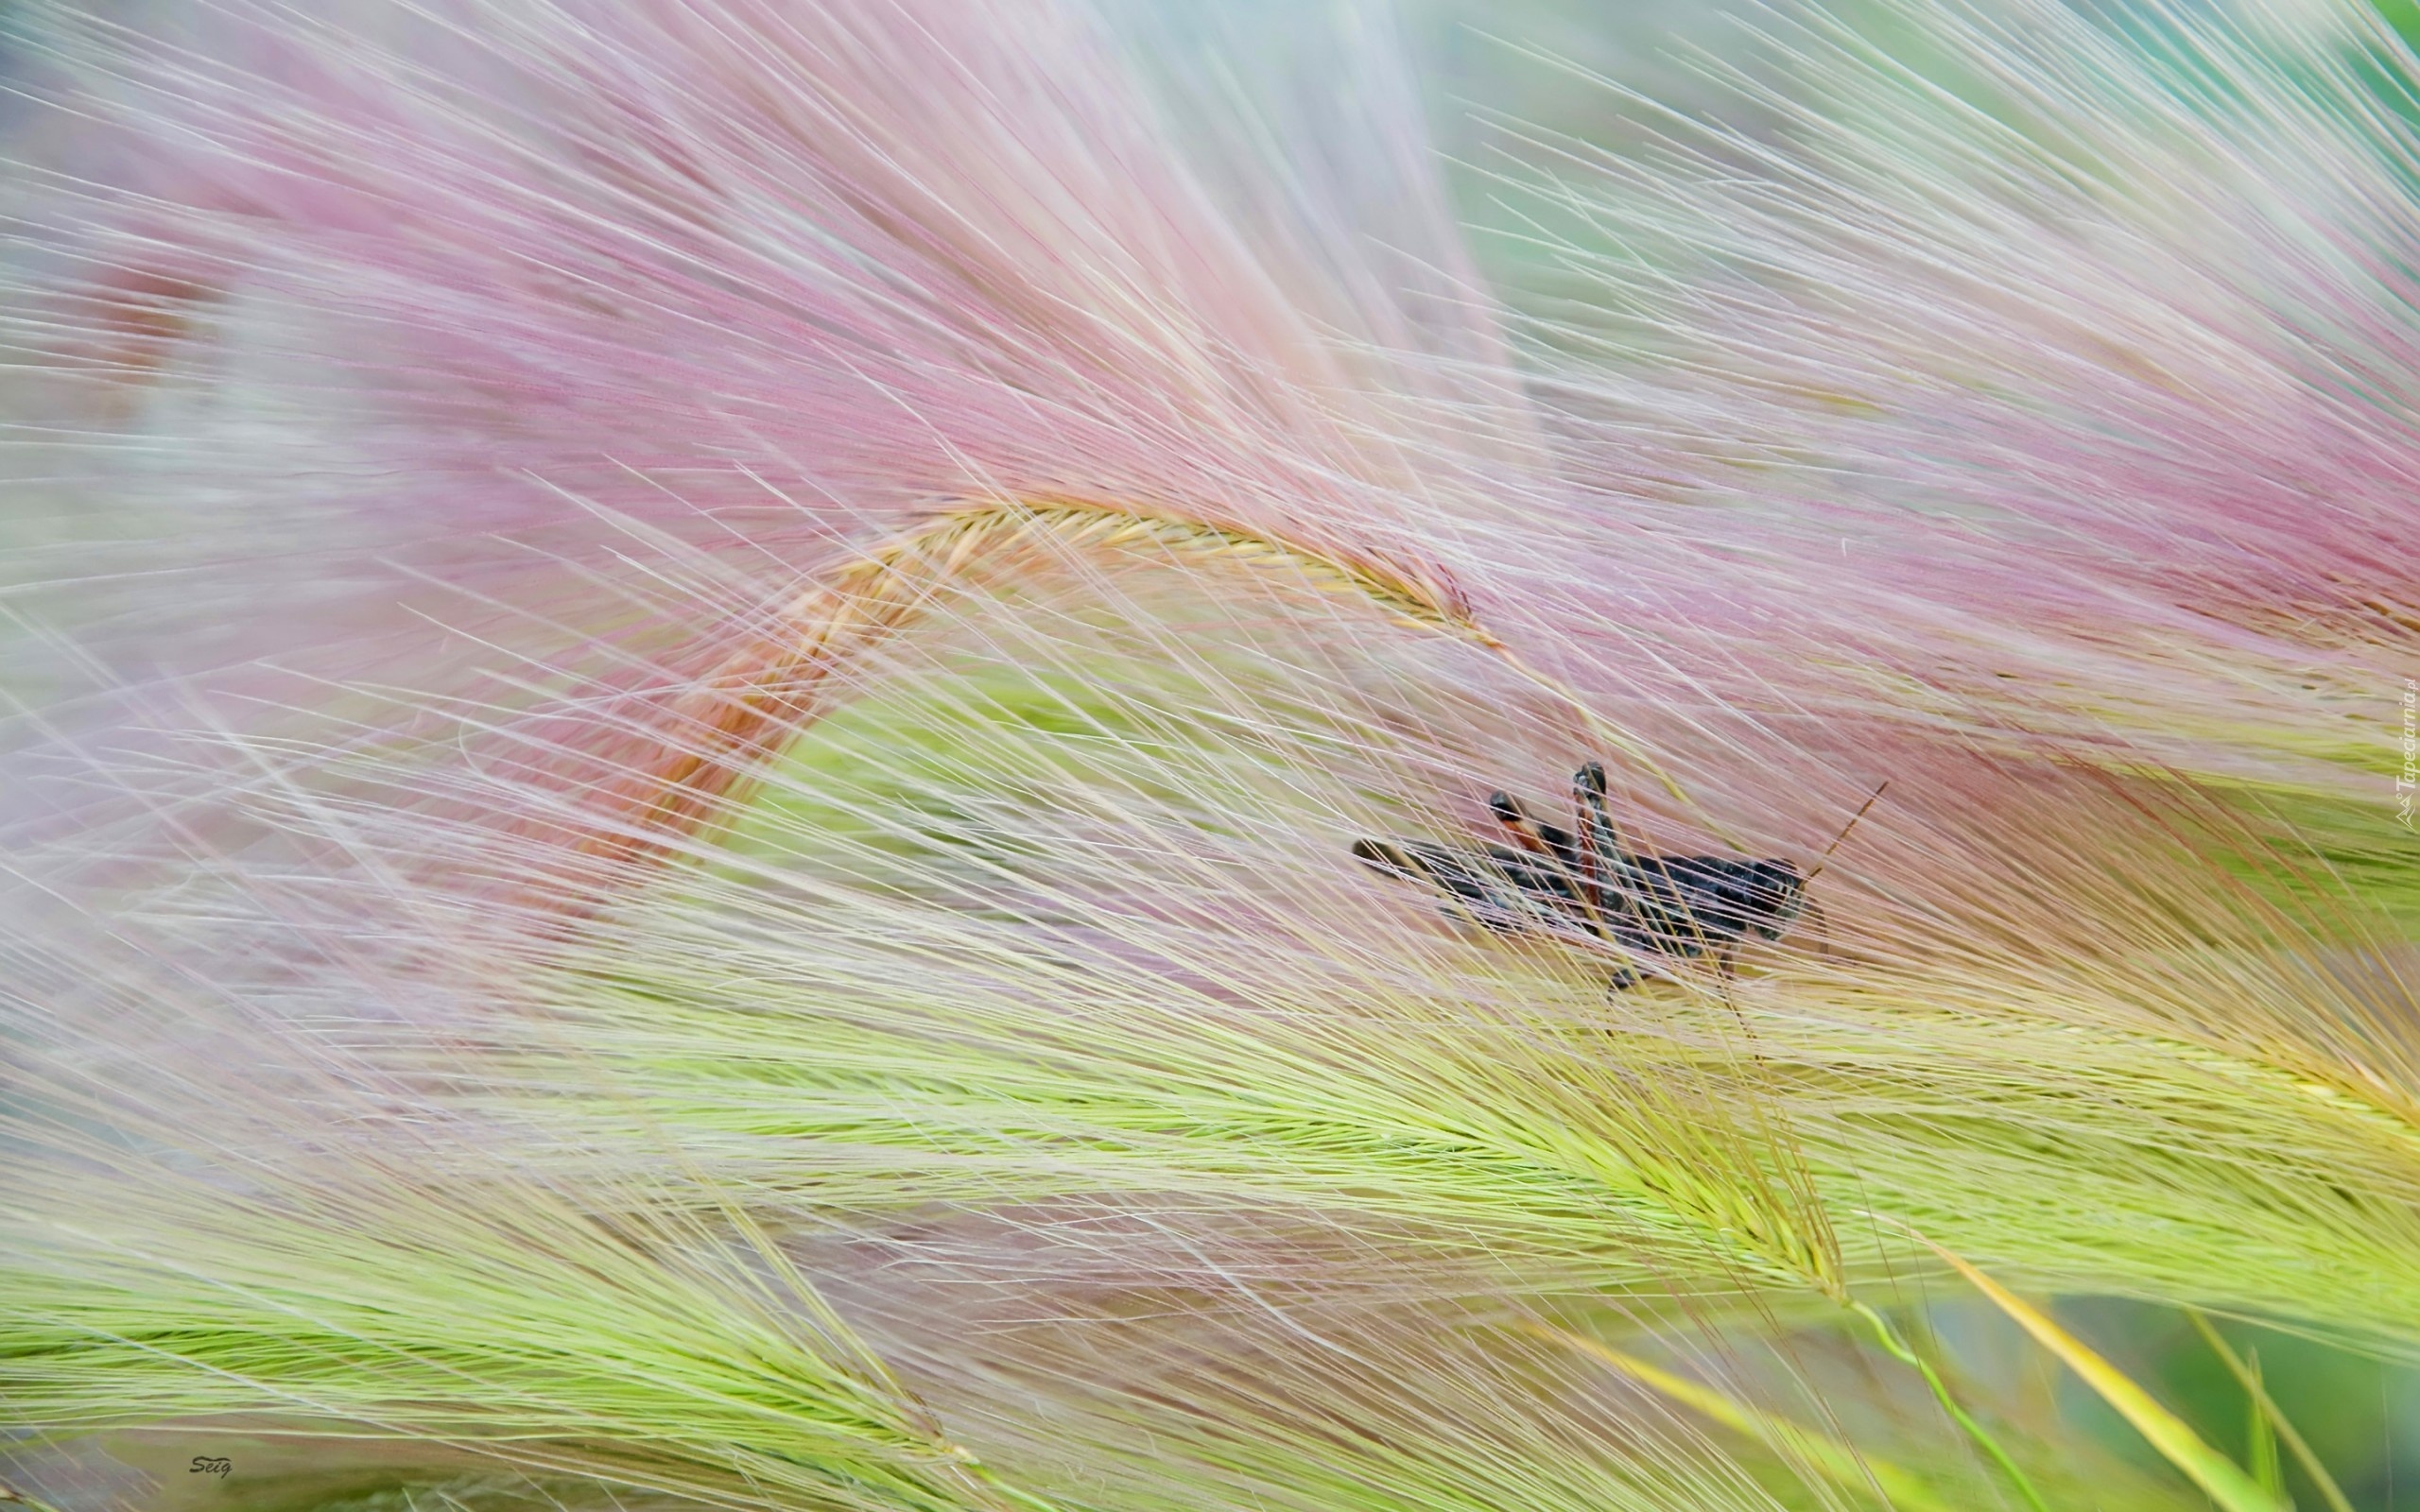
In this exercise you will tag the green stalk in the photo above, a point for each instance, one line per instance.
(1897, 1349)
(2268, 1411)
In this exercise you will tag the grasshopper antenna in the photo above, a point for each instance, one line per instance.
(1823, 860)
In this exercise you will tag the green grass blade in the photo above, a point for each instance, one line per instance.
(2166, 1431)
(2266, 1409)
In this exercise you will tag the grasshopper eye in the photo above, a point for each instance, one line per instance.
(1538, 838)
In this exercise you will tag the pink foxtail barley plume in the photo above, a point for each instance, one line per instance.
(2078, 358)
(687, 825)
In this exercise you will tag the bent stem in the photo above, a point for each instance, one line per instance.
(1897, 1349)
(712, 740)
